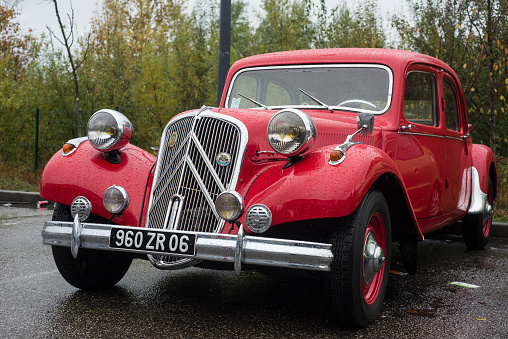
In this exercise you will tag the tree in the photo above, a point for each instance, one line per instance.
(67, 41)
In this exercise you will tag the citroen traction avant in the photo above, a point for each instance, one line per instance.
(315, 160)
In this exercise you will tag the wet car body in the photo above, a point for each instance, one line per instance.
(315, 160)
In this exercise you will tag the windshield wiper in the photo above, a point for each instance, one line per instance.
(254, 101)
(316, 100)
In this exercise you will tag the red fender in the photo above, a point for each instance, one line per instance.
(313, 189)
(483, 159)
(86, 173)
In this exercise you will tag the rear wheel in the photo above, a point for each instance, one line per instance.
(475, 229)
(92, 269)
(359, 272)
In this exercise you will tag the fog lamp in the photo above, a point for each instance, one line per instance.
(115, 200)
(229, 205)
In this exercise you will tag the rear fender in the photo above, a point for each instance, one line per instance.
(86, 173)
(485, 163)
(314, 189)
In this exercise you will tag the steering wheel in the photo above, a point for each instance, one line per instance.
(361, 102)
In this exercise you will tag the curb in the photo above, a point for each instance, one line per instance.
(498, 229)
(15, 197)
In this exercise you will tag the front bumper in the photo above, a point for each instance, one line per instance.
(237, 249)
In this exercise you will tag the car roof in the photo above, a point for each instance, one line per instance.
(395, 59)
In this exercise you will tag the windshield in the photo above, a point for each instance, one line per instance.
(359, 88)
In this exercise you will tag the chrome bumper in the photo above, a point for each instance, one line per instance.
(237, 249)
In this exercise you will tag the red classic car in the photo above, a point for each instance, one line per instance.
(315, 160)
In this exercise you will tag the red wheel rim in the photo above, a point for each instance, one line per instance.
(376, 225)
(486, 227)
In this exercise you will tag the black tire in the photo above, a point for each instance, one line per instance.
(92, 269)
(354, 303)
(408, 248)
(475, 232)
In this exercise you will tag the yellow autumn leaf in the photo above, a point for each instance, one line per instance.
(465, 66)
(506, 81)
(458, 26)
(472, 89)
(502, 98)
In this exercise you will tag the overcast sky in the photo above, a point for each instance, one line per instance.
(37, 14)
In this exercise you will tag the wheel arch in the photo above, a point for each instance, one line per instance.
(403, 221)
(485, 163)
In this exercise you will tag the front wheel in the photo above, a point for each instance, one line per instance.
(361, 245)
(92, 269)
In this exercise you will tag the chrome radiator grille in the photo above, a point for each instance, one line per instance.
(200, 157)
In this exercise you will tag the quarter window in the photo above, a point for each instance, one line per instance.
(420, 98)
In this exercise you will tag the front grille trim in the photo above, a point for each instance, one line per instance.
(192, 166)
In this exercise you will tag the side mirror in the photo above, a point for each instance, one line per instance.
(365, 123)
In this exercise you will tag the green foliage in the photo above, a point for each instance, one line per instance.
(501, 205)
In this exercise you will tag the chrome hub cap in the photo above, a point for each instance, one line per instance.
(373, 258)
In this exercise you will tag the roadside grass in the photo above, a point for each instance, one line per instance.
(25, 180)
(12, 179)
(501, 206)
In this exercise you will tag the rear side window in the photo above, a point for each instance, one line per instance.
(451, 107)
(420, 98)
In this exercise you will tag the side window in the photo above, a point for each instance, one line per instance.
(420, 98)
(451, 108)
(277, 95)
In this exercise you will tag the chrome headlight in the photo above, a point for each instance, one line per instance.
(108, 130)
(115, 199)
(229, 205)
(291, 132)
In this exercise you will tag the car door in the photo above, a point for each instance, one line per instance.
(458, 156)
(420, 125)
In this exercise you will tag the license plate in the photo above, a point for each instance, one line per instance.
(150, 240)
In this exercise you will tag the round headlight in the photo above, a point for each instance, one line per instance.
(229, 205)
(291, 132)
(108, 130)
(115, 199)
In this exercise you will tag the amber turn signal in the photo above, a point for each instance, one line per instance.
(67, 148)
(336, 155)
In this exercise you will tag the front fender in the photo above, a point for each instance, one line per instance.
(86, 173)
(313, 189)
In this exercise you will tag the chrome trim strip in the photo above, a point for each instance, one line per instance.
(338, 108)
(479, 203)
(423, 134)
(453, 138)
(431, 135)
(236, 249)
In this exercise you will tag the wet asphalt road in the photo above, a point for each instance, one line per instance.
(35, 302)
